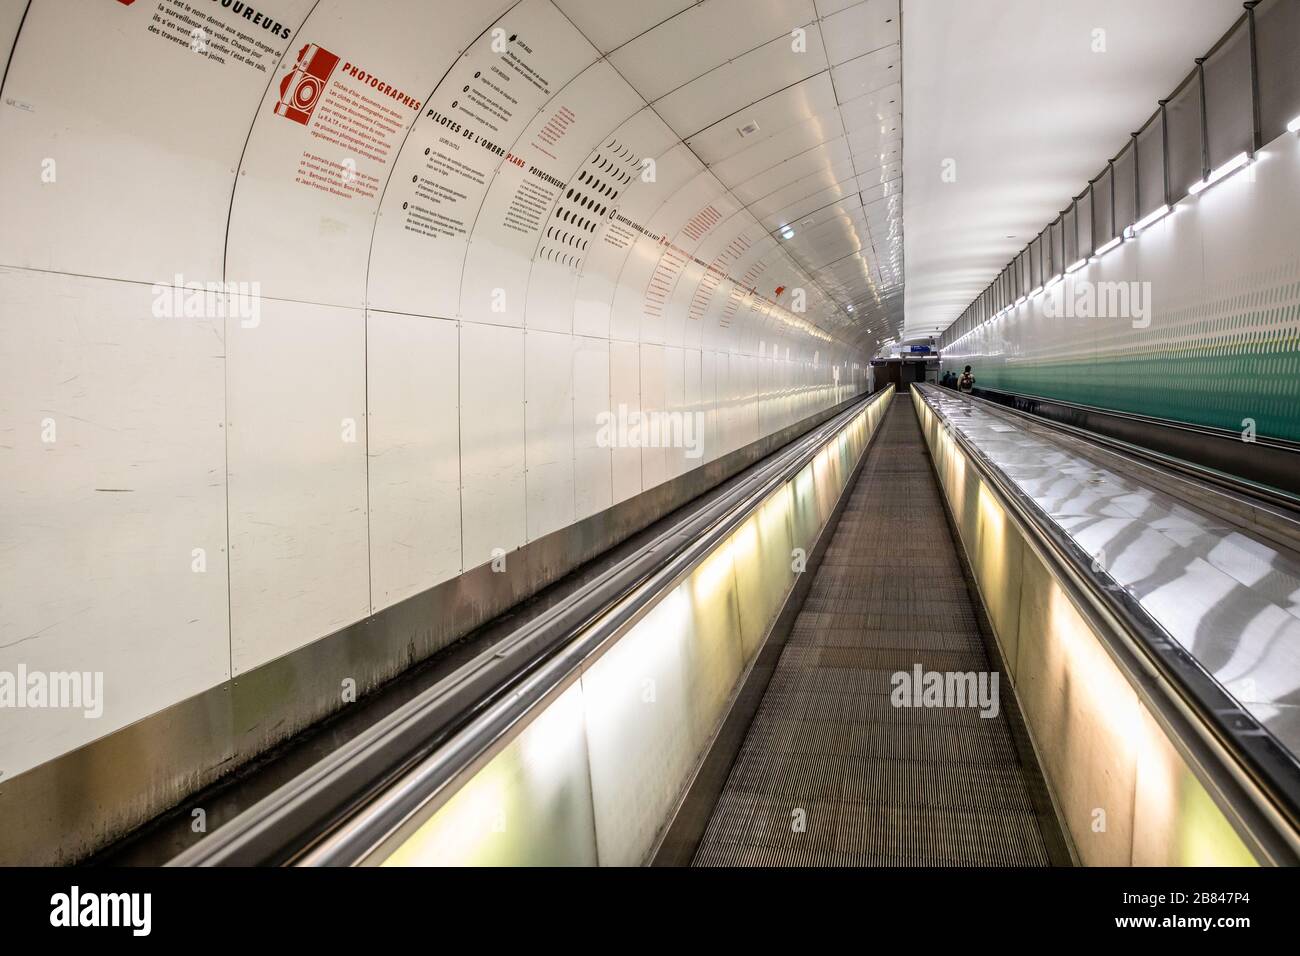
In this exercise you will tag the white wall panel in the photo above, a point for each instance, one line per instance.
(548, 389)
(491, 441)
(690, 209)
(654, 460)
(92, 91)
(111, 465)
(645, 136)
(296, 458)
(443, 173)
(675, 460)
(593, 163)
(414, 454)
(709, 397)
(593, 462)
(11, 15)
(726, 414)
(625, 395)
(302, 218)
(637, 289)
(518, 203)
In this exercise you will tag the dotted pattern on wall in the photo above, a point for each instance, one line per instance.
(1230, 355)
(585, 203)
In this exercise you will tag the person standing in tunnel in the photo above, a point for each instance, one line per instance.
(967, 381)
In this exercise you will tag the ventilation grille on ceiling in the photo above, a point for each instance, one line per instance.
(749, 129)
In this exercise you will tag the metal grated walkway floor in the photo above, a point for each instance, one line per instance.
(879, 785)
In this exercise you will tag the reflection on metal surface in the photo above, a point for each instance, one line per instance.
(1266, 461)
(1130, 789)
(1232, 600)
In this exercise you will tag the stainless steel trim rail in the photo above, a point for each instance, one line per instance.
(1268, 511)
(1265, 468)
(1255, 780)
(340, 810)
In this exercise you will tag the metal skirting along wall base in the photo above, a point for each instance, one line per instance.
(67, 808)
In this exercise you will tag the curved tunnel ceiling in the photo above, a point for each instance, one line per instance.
(1021, 102)
(482, 160)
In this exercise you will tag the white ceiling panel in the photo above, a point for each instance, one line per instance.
(827, 8)
(832, 155)
(867, 74)
(806, 205)
(876, 192)
(705, 37)
(773, 115)
(607, 32)
(794, 142)
(835, 211)
(793, 193)
(767, 153)
(869, 141)
(861, 28)
(739, 83)
(880, 175)
(867, 113)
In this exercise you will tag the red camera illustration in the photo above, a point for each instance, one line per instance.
(302, 88)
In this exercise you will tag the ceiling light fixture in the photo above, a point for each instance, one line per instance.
(1107, 247)
(1150, 217)
(1240, 161)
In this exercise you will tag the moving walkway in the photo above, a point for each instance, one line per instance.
(884, 785)
(727, 691)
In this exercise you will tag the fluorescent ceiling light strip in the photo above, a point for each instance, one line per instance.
(1240, 161)
(1052, 281)
(1150, 217)
(1076, 266)
(1293, 126)
(1107, 247)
